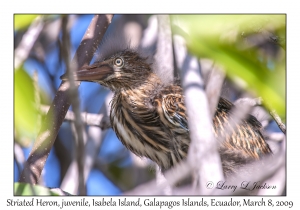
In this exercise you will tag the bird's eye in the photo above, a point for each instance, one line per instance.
(119, 62)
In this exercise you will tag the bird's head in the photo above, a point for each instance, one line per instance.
(124, 69)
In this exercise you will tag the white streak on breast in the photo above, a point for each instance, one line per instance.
(130, 139)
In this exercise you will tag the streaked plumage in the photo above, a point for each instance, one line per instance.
(149, 116)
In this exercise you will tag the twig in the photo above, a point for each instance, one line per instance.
(164, 61)
(79, 130)
(37, 99)
(19, 156)
(124, 180)
(59, 191)
(20, 160)
(92, 146)
(28, 40)
(61, 103)
(90, 119)
(248, 101)
(274, 136)
(213, 88)
(258, 101)
(203, 144)
(149, 39)
(238, 113)
(277, 119)
(172, 176)
(160, 179)
(164, 52)
(70, 180)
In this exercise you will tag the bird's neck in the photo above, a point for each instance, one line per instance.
(146, 90)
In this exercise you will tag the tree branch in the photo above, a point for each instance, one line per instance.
(203, 155)
(248, 101)
(277, 119)
(164, 52)
(61, 103)
(98, 120)
(213, 88)
(28, 40)
(172, 176)
(79, 130)
(95, 135)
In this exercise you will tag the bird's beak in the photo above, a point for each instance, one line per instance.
(94, 72)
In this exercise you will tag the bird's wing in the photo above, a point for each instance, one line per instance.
(247, 138)
(174, 110)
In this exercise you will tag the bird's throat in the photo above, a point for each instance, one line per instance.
(143, 93)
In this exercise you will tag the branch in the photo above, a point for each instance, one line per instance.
(248, 101)
(90, 119)
(37, 99)
(61, 103)
(277, 119)
(161, 179)
(59, 191)
(149, 39)
(164, 52)
(164, 61)
(19, 156)
(203, 155)
(79, 130)
(172, 176)
(213, 88)
(238, 113)
(259, 101)
(95, 135)
(28, 40)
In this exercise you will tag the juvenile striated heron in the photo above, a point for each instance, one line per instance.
(149, 116)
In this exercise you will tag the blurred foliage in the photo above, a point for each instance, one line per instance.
(27, 189)
(25, 112)
(251, 48)
(23, 21)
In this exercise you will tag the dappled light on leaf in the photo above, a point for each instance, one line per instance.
(25, 111)
(23, 21)
(226, 40)
(27, 189)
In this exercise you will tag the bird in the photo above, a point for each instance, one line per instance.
(149, 117)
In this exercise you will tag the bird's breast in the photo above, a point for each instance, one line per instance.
(138, 128)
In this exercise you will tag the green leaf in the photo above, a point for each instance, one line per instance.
(23, 21)
(25, 111)
(219, 37)
(28, 189)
